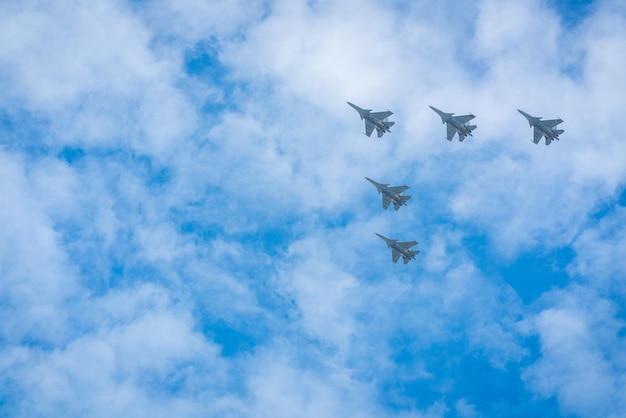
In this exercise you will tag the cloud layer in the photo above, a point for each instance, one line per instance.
(186, 230)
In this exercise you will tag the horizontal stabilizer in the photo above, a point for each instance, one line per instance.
(450, 131)
(558, 131)
(471, 128)
(386, 201)
(403, 199)
(537, 135)
(390, 124)
(410, 257)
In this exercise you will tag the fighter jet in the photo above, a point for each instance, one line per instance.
(376, 120)
(400, 249)
(456, 124)
(543, 128)
(391, 194)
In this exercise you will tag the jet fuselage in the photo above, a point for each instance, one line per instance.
(464, 129)
(406, 252)
(547, 130)
(380, 124)
(384, 189)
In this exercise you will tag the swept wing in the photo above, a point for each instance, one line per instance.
(397, 189)
(463, 119)
(381, 115)
(552, 122)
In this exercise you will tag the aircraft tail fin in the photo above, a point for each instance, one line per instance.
(385, 128)
(412, 254)
(403, 200)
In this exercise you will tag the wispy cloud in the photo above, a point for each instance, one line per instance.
(185, 227)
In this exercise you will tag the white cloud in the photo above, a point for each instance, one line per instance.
(465, 410)
(87, 69)
(508, 35)
(189, 21)
(114, 276)
(322, 291)
(582, 362)
(37, 279)
(599, 258)
(519, 192)
(281, 387)
(57, 52)
(151, 363)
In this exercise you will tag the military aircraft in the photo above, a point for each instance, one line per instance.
(543, 128)
(400, 249)
(456, 124)
(376, 120)
(391, 194)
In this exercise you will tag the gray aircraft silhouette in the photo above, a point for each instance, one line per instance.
(391, 194)
(456, 124)
(376, 120)
(543, 128)
(400, 249)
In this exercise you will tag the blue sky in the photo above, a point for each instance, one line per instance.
(185, 227)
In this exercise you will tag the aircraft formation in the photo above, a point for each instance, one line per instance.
(455, 125)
